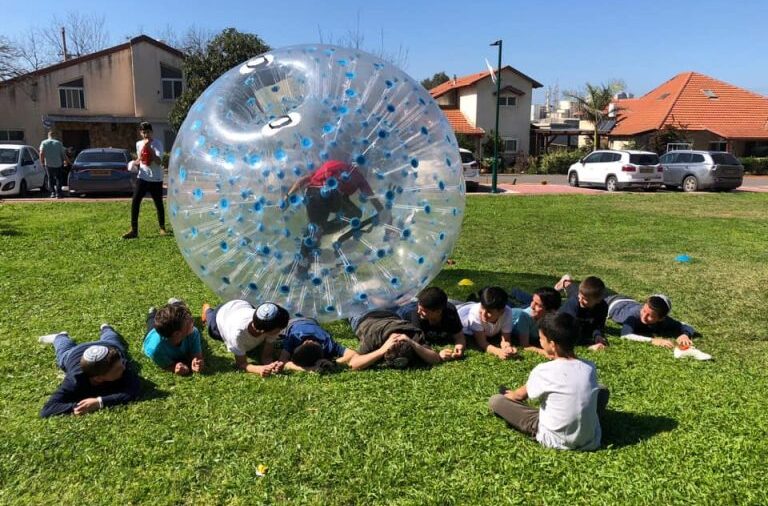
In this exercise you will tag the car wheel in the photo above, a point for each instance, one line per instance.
(23, 188)
(573, 179)
(611, 184)
(690, 184)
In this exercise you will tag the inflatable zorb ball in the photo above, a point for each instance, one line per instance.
(321, 178)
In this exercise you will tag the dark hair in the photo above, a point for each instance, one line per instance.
(592, 287)
(560, 328)
(102, 366)
(145, 126)
(400, 355)
(278, 321)
(550, 298)
(307, 353)
(493, 297)
(432, 298)
(171, 318)
(658, 305)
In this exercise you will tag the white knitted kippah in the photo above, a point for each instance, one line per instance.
(95, 353)
(266, 311)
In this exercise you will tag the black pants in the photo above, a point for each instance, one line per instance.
(155, 189)
(55, 180)
(319, 209)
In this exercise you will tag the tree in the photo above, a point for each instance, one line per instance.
(593, 104)
(8, 56)
(435, 80)
(85, 34)
(201, 67)
(670, 134)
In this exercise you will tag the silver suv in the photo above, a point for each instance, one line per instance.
(702, 170)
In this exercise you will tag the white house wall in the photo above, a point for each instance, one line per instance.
(514, 121)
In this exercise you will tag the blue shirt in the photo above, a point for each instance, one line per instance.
(164, 354)
(304, 329)
(524, 325)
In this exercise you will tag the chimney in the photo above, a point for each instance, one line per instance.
(612, 110)
(64, 43)
(454, 79)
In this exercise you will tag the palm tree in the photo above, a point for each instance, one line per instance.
(593, 104)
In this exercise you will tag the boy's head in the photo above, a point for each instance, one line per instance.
(493, 301)
(400, 355)
(591, 291)
(102, 363)
(655, 309)
(145, 128)
(174, 322)
(307, 353)
(268, 319)
(545, 300)
(431, 302)
(557, 333)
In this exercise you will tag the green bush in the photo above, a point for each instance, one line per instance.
(557, 162)
(755, 165)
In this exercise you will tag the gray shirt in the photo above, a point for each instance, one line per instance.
(53, 152)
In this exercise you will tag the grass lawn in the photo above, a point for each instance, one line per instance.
(676, 432)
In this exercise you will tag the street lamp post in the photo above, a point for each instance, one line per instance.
(496, 132)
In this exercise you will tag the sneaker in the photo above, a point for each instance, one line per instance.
(162, 232)
(50, 338)
(151, 310)
(53, 195)
(691, 352)
(104, 325)
(564, 282)
(131, 234)
(204, 312)
(174, 300)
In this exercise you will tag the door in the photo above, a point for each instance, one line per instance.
(39, 172)
(28, 172)
(76, 139)
(590, 168)
(680, 168)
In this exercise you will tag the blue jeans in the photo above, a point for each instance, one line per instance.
(210, 322)
(521, 296)
(63, 345)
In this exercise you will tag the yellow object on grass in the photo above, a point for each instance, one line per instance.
(466, 282)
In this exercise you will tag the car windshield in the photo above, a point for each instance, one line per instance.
(724, 159)
(644, 159)
(467, 157)
(101, 157)
(9, 155)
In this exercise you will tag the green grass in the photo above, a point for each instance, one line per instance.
(676, 432)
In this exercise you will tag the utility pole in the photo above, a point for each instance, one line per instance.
(64, 43)
(496, 132)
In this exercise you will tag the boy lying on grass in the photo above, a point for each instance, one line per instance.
(437, 318)
(309, 347)
(585, 303)
(243, 328)
(489, 322)
(570, 398)
(172, 342)
(97, 374)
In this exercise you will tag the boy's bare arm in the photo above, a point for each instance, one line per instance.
(426, 353)
(518, 395)
(348, 355)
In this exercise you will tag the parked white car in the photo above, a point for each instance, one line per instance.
(20, 170)
(471, 169)
(618, 169)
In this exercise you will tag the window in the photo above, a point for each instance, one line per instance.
(510, 145)
(696, 158)
(89, 156)
(26, 158)
(72, 94)
(683, 158)
(710, 94)
(593, 158)
(724, 159)
(718, 146)
(643, 159)
(507, 101)
(171, 81)
(12, 135)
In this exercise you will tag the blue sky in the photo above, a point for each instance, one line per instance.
(556, 42)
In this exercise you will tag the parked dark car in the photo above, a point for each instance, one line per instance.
(101, 170)
(702, 170)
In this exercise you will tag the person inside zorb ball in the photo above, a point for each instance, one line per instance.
(317, 177)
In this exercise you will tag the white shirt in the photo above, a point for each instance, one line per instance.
(567, 389)
(470, 320)
(153, 172)
(233, 319)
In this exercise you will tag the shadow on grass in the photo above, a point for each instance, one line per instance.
(622, 429)
(215, 364)
(150, 391)
(8, 229)
(450, 277)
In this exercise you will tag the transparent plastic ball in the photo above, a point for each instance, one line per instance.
(317, 177)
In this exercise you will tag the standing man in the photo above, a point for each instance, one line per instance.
(150, 179)
(52, 156)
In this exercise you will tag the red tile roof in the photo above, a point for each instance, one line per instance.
(471, 79)
(682, 102)
(460, 123)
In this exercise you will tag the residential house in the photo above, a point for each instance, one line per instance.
(469, 104)
(713, 115)
(96, 100)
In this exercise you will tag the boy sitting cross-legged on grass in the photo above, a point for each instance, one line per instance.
(490, 320)
(570, 397)
(384, 336)
(98, 374)
(585, 303)
(243, 328)
(172, 341)
(309, 347)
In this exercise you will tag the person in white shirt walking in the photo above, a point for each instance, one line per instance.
(150, 179)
